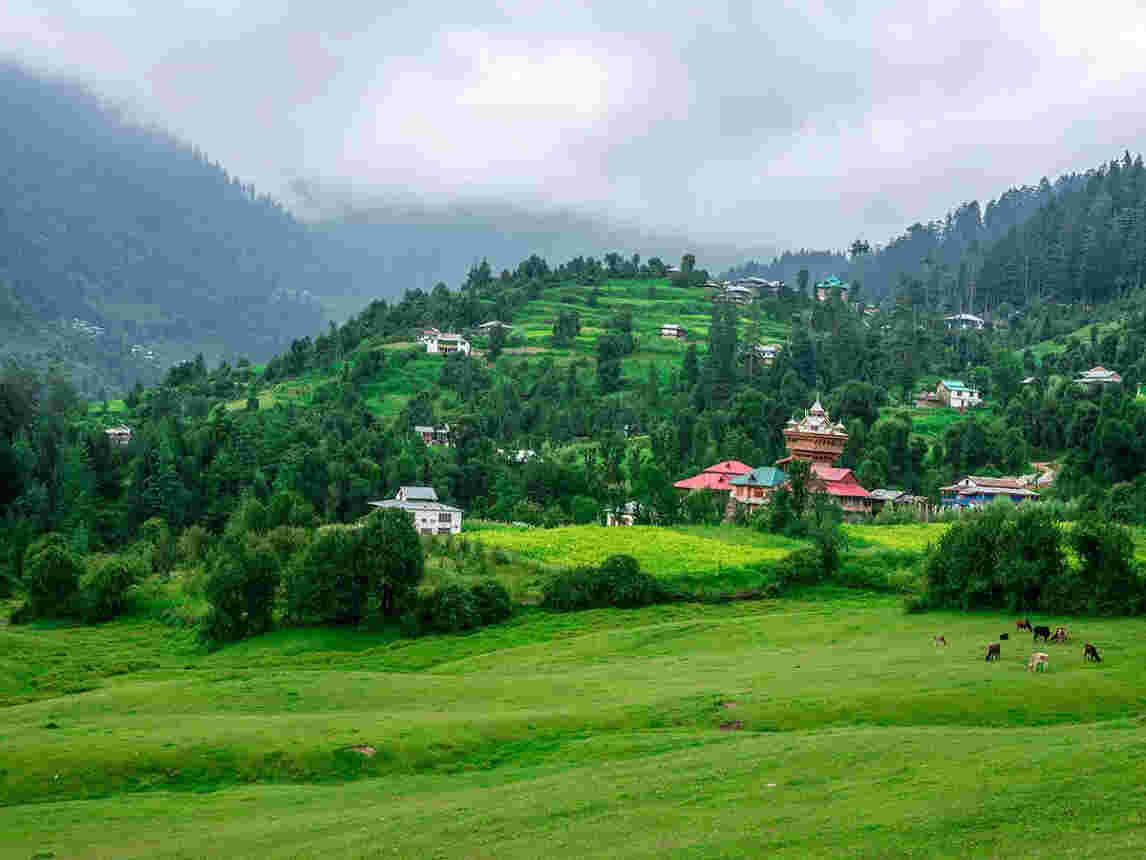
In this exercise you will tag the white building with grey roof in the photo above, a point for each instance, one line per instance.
(430, 516)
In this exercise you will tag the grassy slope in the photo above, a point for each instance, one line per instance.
(596, 734)
(534, 323)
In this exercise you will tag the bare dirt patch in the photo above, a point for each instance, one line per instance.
(731, 726)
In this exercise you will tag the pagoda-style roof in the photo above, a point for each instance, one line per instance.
(815, 437)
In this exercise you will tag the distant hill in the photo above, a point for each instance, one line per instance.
(419, 244)
(950, 255)
(123, 250)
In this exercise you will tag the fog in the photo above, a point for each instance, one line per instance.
(738, 123)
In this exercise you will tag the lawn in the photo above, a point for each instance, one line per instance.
(828, 726)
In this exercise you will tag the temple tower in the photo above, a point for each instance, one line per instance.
(815, 438)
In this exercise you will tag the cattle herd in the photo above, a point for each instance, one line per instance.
(1040, 660)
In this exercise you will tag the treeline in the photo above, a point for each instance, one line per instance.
(1016, 559)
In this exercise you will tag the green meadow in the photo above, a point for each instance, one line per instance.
(825, 725)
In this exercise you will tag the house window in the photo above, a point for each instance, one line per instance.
(443, 531)
(446, 517)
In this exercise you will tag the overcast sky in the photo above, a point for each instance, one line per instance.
(805, 123)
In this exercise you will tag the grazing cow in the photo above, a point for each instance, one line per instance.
(1004, 635)
(1089, 652)
(1023, 624)
(994, 651)
(941, 640)
(1038, 659)
(1043, 632)
(1060, 635)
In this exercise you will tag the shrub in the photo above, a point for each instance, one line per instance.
(617, 582)
(1113, 581)
(103, 588)
(456, 609)
(1015, 559)
(51, 577)
(193, 544)
(321, 584)
(162, 549)
(240, 587)
(492, 601)
(449, 609)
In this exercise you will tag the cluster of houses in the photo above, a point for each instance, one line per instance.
(743, 291)
(819, 441)
(764, 352)
(446, 342)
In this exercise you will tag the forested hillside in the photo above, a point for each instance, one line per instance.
(123, 250)
(610, 410)
(952, 257)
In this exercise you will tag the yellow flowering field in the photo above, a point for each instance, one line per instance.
(660, 551)
(913, 536)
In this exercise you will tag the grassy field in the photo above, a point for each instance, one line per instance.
(828, 726)
(661, 551)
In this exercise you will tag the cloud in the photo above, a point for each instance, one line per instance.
(802, 124)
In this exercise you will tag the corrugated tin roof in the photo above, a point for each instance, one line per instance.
(765, 476)
(419, 494)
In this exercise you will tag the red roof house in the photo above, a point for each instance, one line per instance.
(716, 477)
(842, 484)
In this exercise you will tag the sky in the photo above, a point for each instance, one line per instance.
(804, 124)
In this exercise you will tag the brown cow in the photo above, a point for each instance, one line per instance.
(1023, 624)
(1060, 635)
(1039, 659)
(994, 651)
(941, 640)
(1089, 652)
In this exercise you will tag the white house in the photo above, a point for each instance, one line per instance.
(1099, 376)
(443, 343)
(434, 435)
(768, 351)
(120, 435)
(963, 321)
(673, 330)
(956, 394)
(625, 515)
(492, 324)
(430, 516)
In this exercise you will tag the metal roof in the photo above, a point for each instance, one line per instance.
(419, 494)
(764, 476)
(415, 506)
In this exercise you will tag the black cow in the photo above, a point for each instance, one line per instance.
(1089, 652)
(994, 651)
(1023, 624)
(1004, 635)
(1042, 631)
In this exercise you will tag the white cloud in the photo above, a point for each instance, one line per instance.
(811, 122)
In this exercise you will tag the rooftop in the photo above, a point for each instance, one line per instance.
(418, 494)
(718, 476)
(765, 476)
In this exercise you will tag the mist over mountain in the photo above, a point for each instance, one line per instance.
(123, 250)
(416, 243)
